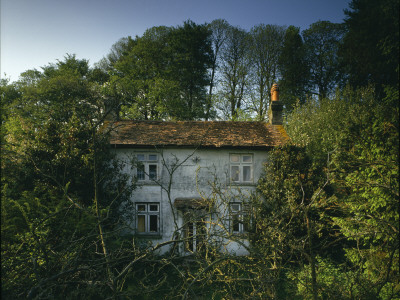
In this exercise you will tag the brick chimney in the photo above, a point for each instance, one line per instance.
(275, 109)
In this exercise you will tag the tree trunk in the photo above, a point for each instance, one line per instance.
(311, 259)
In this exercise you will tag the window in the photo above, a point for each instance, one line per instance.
(147, 167)
(148, 218)
(238, 218)
(194, 231)
(241, 167)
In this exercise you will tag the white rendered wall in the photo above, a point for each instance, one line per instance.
(196, 172)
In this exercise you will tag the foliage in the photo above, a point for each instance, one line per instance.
(326, 221)
(367, 165)
(59, 189)
(163, 74)
(370, 50)
(293, 69)
(333, 281)
(293, 217)
(321, 42)
(361, 136)
(218, 70)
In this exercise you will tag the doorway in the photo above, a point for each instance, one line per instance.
(194, 233)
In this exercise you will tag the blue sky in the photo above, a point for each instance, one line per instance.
(35, 33)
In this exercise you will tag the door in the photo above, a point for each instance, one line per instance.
(194, 234)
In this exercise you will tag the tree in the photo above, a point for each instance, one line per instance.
(371, 45)
(293, 69)
(191, 59)
(219, 29)
(60, 193)
(265, 49)
(360, 134)
(141, 79)
(367, 166)
(117, 51)
(321, 42)
(292, 228)
(235, 71)
(163, 74)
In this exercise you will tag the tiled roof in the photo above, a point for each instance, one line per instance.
(215, 134)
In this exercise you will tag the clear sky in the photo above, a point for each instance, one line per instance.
(35, 33)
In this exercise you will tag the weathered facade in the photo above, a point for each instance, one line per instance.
(193, 178)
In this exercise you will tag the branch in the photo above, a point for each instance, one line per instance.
(203, 271)
(129, 266)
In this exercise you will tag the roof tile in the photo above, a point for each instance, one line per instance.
(197, 134)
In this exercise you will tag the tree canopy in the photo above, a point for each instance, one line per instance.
(324, 221)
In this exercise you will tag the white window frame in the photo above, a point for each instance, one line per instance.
(236, 209)
(147, 210)
(238, 164)
(146, 161)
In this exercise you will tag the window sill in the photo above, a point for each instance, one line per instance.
(242, 183)
(147, 182)
(149, 235)
(241, 235)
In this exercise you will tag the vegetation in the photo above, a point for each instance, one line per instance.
(325, 218)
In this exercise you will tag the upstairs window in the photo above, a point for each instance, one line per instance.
(148, 218)
(241, 168)
(147, 167)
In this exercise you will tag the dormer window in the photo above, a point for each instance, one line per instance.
(147, 167)
(241, 168)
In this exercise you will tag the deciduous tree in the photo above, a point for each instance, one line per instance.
(235, 70)
(265, 48)
(294, 73)
(370, 50)
(321, 42)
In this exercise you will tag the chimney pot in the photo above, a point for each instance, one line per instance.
(275, 110)
(275, 92)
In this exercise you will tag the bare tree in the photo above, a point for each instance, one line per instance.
(219, 29)
(234, 72)
(265, 49)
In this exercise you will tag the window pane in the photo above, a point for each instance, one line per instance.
(247, 158)
(141, 223)
(153, 223)
(140, 157)
(152, 157)
(140, 172)
(246, 224)
(235, 173)
(235, 158)
(152, 172)
(141, 207)
(235, 207)
(235, 223)
(247, 173)
(189, 231)
(153, 207)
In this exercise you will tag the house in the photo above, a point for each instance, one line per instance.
(193, 177)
